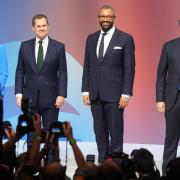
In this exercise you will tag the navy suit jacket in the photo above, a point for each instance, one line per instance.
(115, 74)
(50, 82)
(168, 74)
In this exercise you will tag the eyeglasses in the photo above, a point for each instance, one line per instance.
(106, 17)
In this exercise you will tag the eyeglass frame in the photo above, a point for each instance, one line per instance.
(106, 17)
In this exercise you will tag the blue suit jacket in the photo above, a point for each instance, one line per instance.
(50, 82)
(115, 74)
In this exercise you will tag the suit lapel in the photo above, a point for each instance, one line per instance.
(178, 54)
(95, 41)
(32, 46)
(48, 52)
(112, 43)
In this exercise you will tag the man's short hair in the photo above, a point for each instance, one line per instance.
(39, 16)
(107, 6)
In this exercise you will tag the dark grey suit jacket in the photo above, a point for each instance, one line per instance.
(168, 73)
(115, 74)
(50, 82)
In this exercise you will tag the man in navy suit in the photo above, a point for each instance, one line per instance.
(107, 82)
(168, 97)
(41, 72)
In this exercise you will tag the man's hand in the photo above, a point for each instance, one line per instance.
(50, 141)
(160, 107)
(67, 130)
(59, 101)
(123, 102)
(37, 123)
(86, 100)
(10, 133)
(18, 101)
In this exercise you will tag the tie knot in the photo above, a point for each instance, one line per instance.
(40, 42)
(104, 34)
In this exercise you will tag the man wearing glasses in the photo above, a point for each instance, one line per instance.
(107, 83)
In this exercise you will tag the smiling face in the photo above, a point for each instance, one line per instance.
(106, 18)
(41, 28)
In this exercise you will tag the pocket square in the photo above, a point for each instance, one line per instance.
(117, 47)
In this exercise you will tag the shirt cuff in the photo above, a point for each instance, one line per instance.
(19, 95)
(125, 95)
(85, 93)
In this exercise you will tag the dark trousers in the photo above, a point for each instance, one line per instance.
(48, 116)
(108, 127)
(172, 133)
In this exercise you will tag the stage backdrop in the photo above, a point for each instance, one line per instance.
(150, 22)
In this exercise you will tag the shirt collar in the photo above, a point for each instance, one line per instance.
(111, 31)
(45, 40)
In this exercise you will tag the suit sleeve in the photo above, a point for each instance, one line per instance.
(62, 84)
(20, 72)
(161, 75)
(129, 66)
(85, 78)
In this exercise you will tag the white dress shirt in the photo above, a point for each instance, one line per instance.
(107, 39)
(45, 42)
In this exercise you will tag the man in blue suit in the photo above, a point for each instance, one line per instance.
(107, 82)
(41, 72)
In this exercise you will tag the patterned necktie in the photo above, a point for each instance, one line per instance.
(101, 48)
(40, 56)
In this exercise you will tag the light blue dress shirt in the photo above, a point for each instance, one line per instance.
(3, 69)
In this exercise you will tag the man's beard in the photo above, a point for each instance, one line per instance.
(106, 27)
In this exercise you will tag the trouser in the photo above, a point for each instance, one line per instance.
(48, 116)
(172, 133)
(108, 127)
